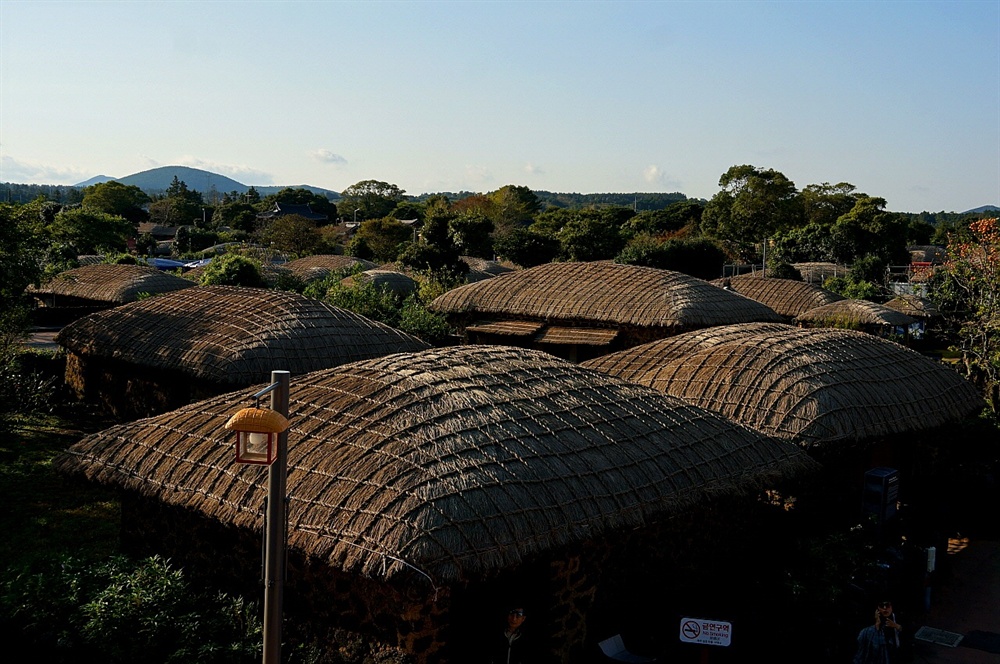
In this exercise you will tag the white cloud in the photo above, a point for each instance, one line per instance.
(328, 157)
(240, 173)
(652, 174)
(26, 172)
(531, 169)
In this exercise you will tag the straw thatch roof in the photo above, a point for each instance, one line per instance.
(603, 293)
(786, 296)
(112, 284)
(391, 280)
(853, 313)
(913, 305)
(233, 335)
(311, 268)
(929, 253)
(450, 462)
(819, 272)
(808, 386)
(484, 265)
(90, 259)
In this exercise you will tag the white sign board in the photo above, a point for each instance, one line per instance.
(706, 632)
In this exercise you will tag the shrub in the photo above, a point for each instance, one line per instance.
(232, 270)
(124, 611)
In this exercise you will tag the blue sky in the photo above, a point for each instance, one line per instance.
(900, 98)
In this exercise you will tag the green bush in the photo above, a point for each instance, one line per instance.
(125, 611)
(233, 270)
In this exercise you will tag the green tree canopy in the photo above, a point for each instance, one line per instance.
(371, 199)
(302, 196)
(513, 206)
(115, 198)
(21, 247)
(526, 247)
(869, 229)
(753, 204)
(180, 206)
(232, 270)
(824, 203)
(382, 239)
(292, 234)
(89, 231)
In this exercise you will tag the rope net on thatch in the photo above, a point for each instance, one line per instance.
(451, 462)
(233, 335)
(312, 268)
(913, 305)
(603, 292)
(852, 313)
(115, 284)
(390, 280)
(786, 296)
(808, 386)
(819, 272)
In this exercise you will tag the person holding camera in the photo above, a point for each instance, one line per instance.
(878, 643)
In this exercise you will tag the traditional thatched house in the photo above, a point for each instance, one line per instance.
(581, 310)
(919, 308)
(313, 268)
(863, 315)
(814, 387)
(390, 280)
(818, 272)
(485, 265)
(927, 254)
(163, 352)
(428, 490)
(84, 290)
(786, 296)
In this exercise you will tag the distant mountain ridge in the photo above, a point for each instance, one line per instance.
(157, 181)
(983, 208)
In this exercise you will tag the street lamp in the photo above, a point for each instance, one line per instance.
(262, 439)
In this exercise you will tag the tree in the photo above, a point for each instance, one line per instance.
(592, 235)
(371, 199)
(301, 196)
(471, 235)
(293, 234)
(89, 231)
(967, 292)
(233, 270)
(21, 247)
(869, 229)
(526, 247)
(180, 206)
(671, 219)
(753, 205)
(381, 239)
(824, 203)
(115, 198)
(698, 257)
(513, 206)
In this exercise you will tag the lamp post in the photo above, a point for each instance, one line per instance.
(262, 439)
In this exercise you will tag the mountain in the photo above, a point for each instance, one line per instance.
(983, 208)
(157, 181)
(97, 179)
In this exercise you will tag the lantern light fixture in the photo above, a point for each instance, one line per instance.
(257, 432)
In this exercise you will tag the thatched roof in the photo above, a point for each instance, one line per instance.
(233, 335)
(484, 265)
(450, 462)
(114, 284)
(851, 313)
(913, 305)
(927, 253)
(603, 292)
(786, 296)
(311, 268)
(90, 259)
(818, 272)
(808, 386)
(390, 280)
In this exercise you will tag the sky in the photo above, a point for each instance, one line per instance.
(900, 98)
